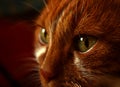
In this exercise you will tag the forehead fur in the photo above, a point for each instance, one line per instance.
(90, 7)
(89, 15)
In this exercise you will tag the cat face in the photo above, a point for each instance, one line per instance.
(78, 43)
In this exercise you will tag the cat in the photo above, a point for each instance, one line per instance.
(78, 43)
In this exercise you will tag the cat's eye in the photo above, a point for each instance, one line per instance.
(84, 43)
(44, 38)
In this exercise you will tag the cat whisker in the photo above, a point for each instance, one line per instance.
(45, 5)
(75, 84)
(32, 77)
(31, 6)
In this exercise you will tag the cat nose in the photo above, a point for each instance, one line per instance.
(47, 75)
(51, 66)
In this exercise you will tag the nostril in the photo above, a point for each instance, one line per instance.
(47, 75)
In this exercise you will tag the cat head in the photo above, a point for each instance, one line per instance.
(78, 43)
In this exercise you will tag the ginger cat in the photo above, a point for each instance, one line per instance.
(79, 43)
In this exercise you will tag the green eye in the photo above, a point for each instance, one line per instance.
(43, 36)
(84, 43)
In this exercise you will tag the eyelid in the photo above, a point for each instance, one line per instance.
(38, 25)
(92, 32)
(41, 27)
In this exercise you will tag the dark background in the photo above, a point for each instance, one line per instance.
(17, 59)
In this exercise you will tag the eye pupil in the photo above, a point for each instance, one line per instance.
(84, 42)
(43, 36)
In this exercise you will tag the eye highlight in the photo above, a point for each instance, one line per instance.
(83, 42)
(44, 38)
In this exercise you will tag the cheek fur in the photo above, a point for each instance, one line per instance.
(39, 52)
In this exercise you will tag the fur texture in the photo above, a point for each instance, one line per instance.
(63, 66)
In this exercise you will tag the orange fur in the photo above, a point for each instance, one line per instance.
(66, 19)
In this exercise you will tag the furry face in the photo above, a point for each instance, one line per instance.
(78, 43)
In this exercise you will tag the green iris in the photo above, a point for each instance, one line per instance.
(44, 36)
(84, 43)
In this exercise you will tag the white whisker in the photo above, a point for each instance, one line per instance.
(45, 5)
(30, 5)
